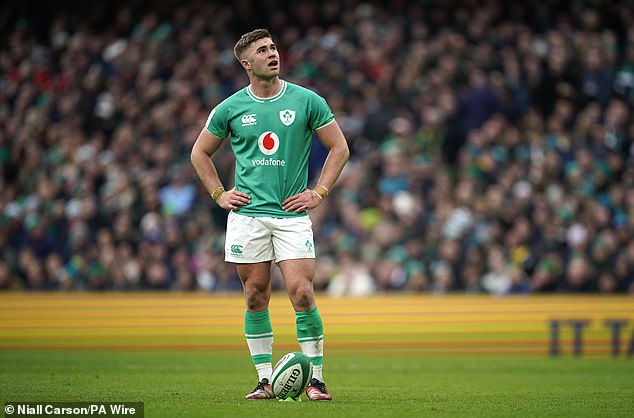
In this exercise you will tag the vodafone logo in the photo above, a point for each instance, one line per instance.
(269, 142)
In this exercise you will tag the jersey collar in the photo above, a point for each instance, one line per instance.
(267, 99)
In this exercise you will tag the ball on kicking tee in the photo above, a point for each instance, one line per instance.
(291, 375)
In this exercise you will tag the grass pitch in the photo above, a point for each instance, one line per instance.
(213, 384)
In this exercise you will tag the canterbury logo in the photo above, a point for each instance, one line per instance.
(249, 119)
(236, 249)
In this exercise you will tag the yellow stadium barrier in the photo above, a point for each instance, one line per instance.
(407, 324)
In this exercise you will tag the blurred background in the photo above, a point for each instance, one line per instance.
(492, 142)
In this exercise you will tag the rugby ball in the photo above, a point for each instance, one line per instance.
(291, 375)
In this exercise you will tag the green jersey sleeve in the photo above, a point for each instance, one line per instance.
(319, 112)
(218, 121)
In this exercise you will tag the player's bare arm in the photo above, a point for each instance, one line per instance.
(333, 139)
(204, 148)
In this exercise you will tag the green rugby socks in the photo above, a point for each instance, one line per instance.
(259, 334)
(310, 335)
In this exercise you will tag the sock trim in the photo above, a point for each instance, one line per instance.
(256, 336)
(305, 339)
(262, 358)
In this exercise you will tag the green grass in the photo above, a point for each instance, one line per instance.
(196, 384)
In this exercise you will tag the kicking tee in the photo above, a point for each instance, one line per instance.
(271, 140)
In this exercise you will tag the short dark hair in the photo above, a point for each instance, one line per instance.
(247, 39)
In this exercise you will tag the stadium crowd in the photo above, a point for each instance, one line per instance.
(492, 144)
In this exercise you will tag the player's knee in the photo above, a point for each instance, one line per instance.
(257, 300)
(303, 297)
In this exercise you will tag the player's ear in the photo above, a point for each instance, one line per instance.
(245, 64)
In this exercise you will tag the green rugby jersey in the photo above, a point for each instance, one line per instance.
(271, 140)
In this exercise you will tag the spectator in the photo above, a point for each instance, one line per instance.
(471, 131)
(497, 279)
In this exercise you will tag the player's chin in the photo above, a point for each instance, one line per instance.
(269, 75)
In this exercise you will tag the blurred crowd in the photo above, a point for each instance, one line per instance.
(492, 144)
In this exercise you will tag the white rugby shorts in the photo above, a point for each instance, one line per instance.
(256, 239)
